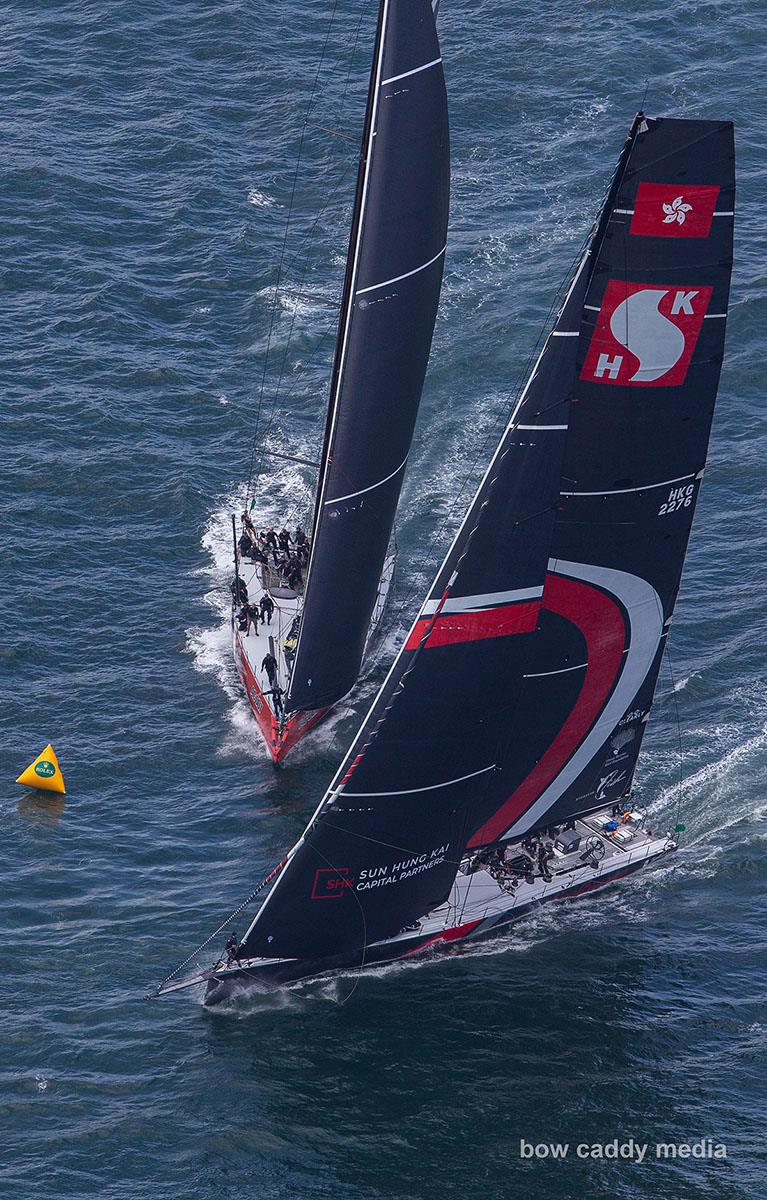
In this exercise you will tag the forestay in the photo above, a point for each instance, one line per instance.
(389, 306)
(521, 694)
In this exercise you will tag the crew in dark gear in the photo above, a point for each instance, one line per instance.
(245, 544)
(242, 619)
(279, 707)
(294, 575)
(267, 609)
(285, 541)
(269, 665)
(232, 949)
(543, 862)
(239, 589)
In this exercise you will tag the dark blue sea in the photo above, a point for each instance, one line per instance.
(147, 162)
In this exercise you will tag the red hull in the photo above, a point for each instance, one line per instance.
(280, 738)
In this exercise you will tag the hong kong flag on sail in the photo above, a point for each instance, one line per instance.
(673, 210)
(645, 335)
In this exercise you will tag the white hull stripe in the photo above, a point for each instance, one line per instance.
(460, 604)
(374, 286)
(414, 791)
(647, 487)
(643, 605)
(415, 71)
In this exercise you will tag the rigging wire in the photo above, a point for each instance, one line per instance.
(241, 908)
(306, 241)
(275, 298)
(680, 785)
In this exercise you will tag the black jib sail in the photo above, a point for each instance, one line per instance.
(389, 306)
(521, 694)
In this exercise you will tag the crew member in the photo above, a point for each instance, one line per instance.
(243, 619)
(269, 665)
(543, 861)
(279, 707)
(289, 647)
(232, 949)
(245, 544)
(267, 609)
(285, 541)
(239, 589)
(294, 575)
(254, 613)
(248, 526)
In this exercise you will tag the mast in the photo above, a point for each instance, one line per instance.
(521, 694)
(388, 309)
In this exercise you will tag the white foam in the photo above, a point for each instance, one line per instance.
(259, 198)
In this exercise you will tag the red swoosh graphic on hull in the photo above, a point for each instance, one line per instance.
(601, 622)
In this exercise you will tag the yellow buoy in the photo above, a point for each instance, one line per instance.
(44, 773)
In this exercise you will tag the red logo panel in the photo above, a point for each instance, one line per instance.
(330, 883)
(645, 335)
(673, 210)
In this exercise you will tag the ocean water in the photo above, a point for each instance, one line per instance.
(148, 159)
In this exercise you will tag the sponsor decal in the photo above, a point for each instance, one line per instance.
(645, 336)
(673, 210)
(405, 868)
(608, 783)
(330, 883)
(45, 769)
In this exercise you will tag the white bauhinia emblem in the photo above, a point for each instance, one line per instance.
(676, 211)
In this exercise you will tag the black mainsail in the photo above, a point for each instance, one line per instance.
(521, 694)
(389, 306)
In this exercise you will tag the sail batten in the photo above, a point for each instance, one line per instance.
(521, 694)
(391, 291)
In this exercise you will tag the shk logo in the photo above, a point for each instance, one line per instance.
(645, 336)
(330, 883)
(674, 210)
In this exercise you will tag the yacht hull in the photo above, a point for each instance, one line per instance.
(475, 922)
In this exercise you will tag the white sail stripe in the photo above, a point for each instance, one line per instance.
(561, 671)
(374, 286)
(629, 212)
(564, 333)
(475, 603)
(645, 610)
(431, 787)
(415, 71)
(647, 487)
(540, 426)
(714, 316)
(372, 487)
(592, 307)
